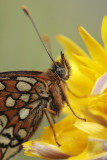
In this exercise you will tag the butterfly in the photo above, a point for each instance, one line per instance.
(25, 96)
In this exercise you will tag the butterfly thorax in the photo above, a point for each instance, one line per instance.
(58, 74)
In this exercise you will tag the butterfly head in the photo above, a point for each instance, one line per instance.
(61, 69)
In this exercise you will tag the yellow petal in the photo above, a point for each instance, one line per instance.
(70, 46)
(79, 82)
(97, 116)
(43, 150)
(66, 134)
(94, 48)
(86, 61)
(93, 151)
(93, 129)
(73, 141)
(104, 31)
(77, 107)
(90, 73)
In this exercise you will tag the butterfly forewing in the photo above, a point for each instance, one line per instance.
(23, 95)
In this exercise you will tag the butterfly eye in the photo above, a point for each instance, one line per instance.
(60, 72)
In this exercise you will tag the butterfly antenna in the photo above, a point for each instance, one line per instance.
(30, 17)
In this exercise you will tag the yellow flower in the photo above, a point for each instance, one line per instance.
(88, 97)
(68, 136)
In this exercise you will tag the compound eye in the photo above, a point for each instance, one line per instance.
(60, 71)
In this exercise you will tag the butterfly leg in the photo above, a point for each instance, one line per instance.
(74, 94)
(51, 125)
(52, 113)
(53, 119)
(68, 104)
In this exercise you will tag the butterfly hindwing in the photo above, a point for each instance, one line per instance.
(21, 110)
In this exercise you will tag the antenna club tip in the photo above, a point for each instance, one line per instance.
(26, 10)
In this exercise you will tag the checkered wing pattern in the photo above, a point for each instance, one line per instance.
(21, 109)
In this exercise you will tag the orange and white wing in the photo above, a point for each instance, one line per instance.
(21, 110)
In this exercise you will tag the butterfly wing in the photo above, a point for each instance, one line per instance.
(21, 109)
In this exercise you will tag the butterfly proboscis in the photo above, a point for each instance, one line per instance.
(25, 96)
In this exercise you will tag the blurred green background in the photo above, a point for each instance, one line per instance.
(20, 47)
